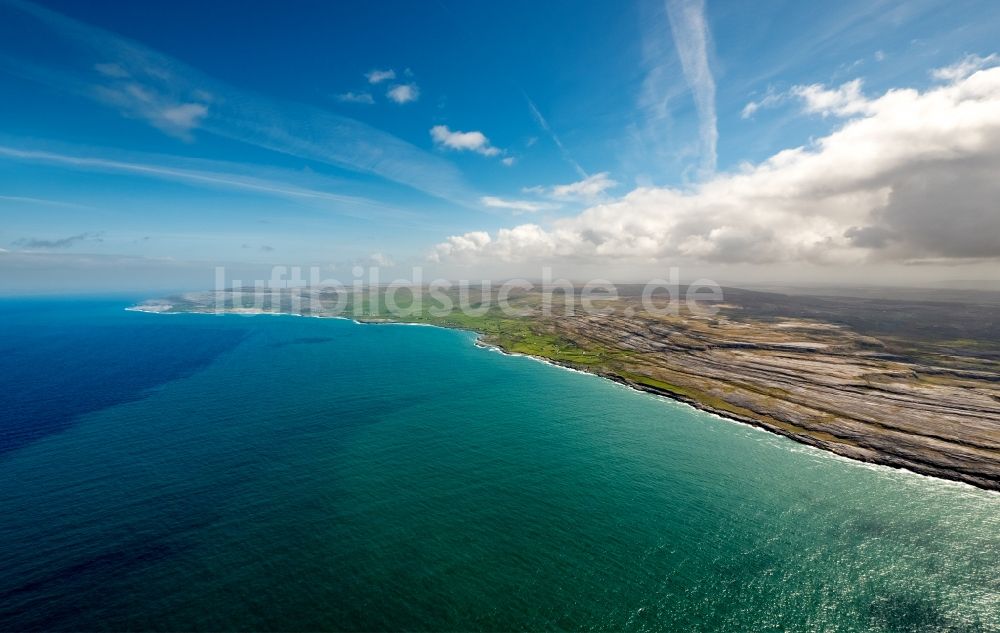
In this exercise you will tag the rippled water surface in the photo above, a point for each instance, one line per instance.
(202, 472)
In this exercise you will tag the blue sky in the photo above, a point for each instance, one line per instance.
(335, 132)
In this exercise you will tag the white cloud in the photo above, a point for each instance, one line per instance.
(691, 36)
(845, 100)
(521, 206)
(404, 93)
(356, 97)
(470, 245)
(378, 76)
(474, 141)
(751, 108)
(587, 189)
(380, 259)
(965, 67)
(508, 161)
(769, 100)
(911, 178)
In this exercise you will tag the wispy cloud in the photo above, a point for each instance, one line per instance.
(965, 67)
(589, 188)
(652, 145)
(770, 99)
(45, 202)
(203, 173)
(404, 93)
(691, 38)
(175, 115)
(378, 76)
(172, 96)
(544, 125)
(518, 206)
(111, 70)
(174, 112)
(474, 141)
(356, 97)
(63, 242)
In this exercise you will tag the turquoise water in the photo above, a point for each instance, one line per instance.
(214, 473)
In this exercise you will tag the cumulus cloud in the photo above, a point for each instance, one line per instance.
(378, 76)
(845, 100)
(474, 141)
(911, 177)
(373, 260)
(404, 93)
(356, 97)
(470, 245)
(518, 206)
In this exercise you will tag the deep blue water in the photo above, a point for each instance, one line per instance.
(195, 472)
(60, 359)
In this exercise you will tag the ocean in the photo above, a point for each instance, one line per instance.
(202, 472)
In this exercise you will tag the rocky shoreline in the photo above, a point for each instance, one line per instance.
(858, 453)
(840, 395)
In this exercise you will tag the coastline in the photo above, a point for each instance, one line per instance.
(859, 454)
(868, 457)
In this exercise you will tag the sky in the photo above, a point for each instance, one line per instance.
(143, 144)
